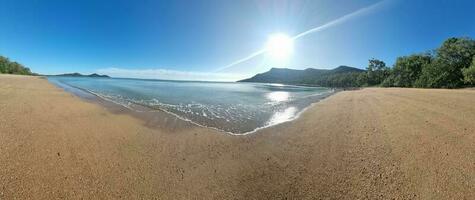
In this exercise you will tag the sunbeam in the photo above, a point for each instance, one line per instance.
(337, 21)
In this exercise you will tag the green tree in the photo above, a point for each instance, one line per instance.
(8, 67)
(362, 79)
(407, 70)
(4, 64)
(454, 55)
(469, 73)
(389, 81)
(376, 72)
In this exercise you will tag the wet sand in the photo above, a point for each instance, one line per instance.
(364, 144)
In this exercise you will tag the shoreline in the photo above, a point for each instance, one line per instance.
(144, 112)
(140, 112)
(374, 143)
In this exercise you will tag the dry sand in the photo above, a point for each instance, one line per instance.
(366, 144)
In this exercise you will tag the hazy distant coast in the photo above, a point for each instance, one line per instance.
(93, 75)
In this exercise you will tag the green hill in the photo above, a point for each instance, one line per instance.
(338, 77)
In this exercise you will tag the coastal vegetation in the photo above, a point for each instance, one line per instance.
(452, 65)
(469, 73)
(12, 67)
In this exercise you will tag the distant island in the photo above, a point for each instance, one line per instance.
(94, 75)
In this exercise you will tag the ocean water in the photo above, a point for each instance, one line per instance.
(237, 108)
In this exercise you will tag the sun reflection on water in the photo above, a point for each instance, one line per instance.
(286, 115)
(278, 96)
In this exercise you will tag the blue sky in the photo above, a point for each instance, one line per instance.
(192, 39)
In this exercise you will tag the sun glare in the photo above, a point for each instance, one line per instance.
(280, 46)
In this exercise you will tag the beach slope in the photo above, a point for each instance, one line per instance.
(372, 143)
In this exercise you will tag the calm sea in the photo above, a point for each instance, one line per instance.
(237, 108)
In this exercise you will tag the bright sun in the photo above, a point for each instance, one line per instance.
(280, 46)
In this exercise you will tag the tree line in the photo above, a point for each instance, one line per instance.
(452, 65)
(9, 67)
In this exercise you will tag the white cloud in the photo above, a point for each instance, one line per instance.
(166, 74)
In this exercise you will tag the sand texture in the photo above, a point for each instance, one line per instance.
(365, 144)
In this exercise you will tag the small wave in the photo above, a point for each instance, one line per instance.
(285, 108)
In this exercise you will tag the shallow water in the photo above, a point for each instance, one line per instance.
(233, 107)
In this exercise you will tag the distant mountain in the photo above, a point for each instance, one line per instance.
(81, 75)
(311, 76)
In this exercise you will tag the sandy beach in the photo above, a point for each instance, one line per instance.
(372, 143)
